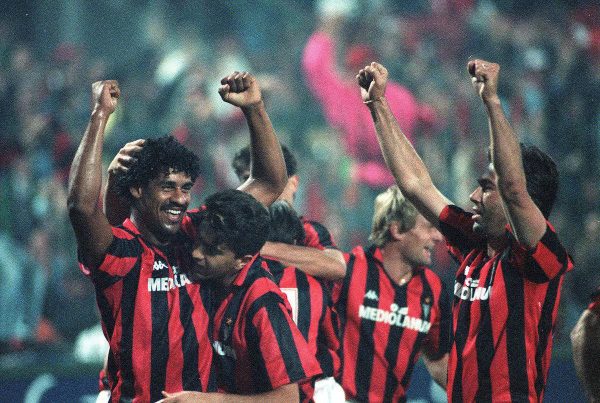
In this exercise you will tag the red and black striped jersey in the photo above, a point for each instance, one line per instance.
(153, 317)
(504, 312)
(257, 346)
(385, 326)
(317, 236)
(313, 313)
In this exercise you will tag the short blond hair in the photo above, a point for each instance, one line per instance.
(390, 206)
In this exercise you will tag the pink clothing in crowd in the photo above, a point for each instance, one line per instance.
(343, 108)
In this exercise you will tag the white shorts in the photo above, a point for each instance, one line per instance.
(327, 390)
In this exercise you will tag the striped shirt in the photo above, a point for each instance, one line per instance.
(317, 236)
(385, 326)
(313, 313)
(257, 346)
(153, 317)
(504, 312)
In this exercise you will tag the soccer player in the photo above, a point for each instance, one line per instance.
(311, 304)
(512, 263)
(317, 255)
(585, 338)
(392, 307)
(155, 319)
(259, 351)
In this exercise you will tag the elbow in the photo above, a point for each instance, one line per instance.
(78, 207)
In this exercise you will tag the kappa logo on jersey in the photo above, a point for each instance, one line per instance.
(471, 291)
(372, 295)
(159, 265)
(395, 316)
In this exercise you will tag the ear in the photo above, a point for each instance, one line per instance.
(293, 183)
(136, 192)
(243, 261)
(395, 233)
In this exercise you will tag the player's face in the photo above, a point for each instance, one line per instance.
(418, 243)
(213, 261)
(163, 203)
(489, 219)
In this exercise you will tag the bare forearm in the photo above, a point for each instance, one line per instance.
(85, 180)
(406, 166)
(268, 165)
(286, 393)
(325, 264)
(505, 150)
(115, 208)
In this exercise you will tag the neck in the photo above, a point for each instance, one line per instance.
(495, 245)
(145, 231)
(395, 264)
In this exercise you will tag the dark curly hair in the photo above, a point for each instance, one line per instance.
(241, 161)
(158, 156)
(286, 226)
(237, 220)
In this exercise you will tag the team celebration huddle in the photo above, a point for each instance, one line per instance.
(241, 299)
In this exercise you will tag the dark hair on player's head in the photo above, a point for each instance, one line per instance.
(542, 177)
(286, 226)
(241, 162)
(158, 156)
(237, 220)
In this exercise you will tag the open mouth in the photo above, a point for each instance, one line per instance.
(174, 215)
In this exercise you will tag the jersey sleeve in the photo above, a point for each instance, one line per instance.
(456, 225)
(438, 341)
(317, 236)
(121, 256)
(543, 262)
(279, 354)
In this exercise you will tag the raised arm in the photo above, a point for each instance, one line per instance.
(267, 173)
(408, 169)
(525, 218)
(117, 208)
(92, 229)
(327, 264)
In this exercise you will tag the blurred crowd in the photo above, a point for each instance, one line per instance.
(169, 56)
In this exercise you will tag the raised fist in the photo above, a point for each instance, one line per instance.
(484, 76)
(105, 95)
(372, 81)
(240, 89)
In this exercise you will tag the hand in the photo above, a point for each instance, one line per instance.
(372, 80)
(240, 89)
(105, 95)
(185, 397)
(125, 157)
(484, 76)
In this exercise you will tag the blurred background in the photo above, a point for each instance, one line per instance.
(169, 55)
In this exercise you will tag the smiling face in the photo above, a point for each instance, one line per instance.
(488, 219)
(417, 244)
(162, 204)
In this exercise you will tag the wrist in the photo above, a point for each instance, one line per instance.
(372, 102)
(492, 101)
(101, 113)
(253, 107)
